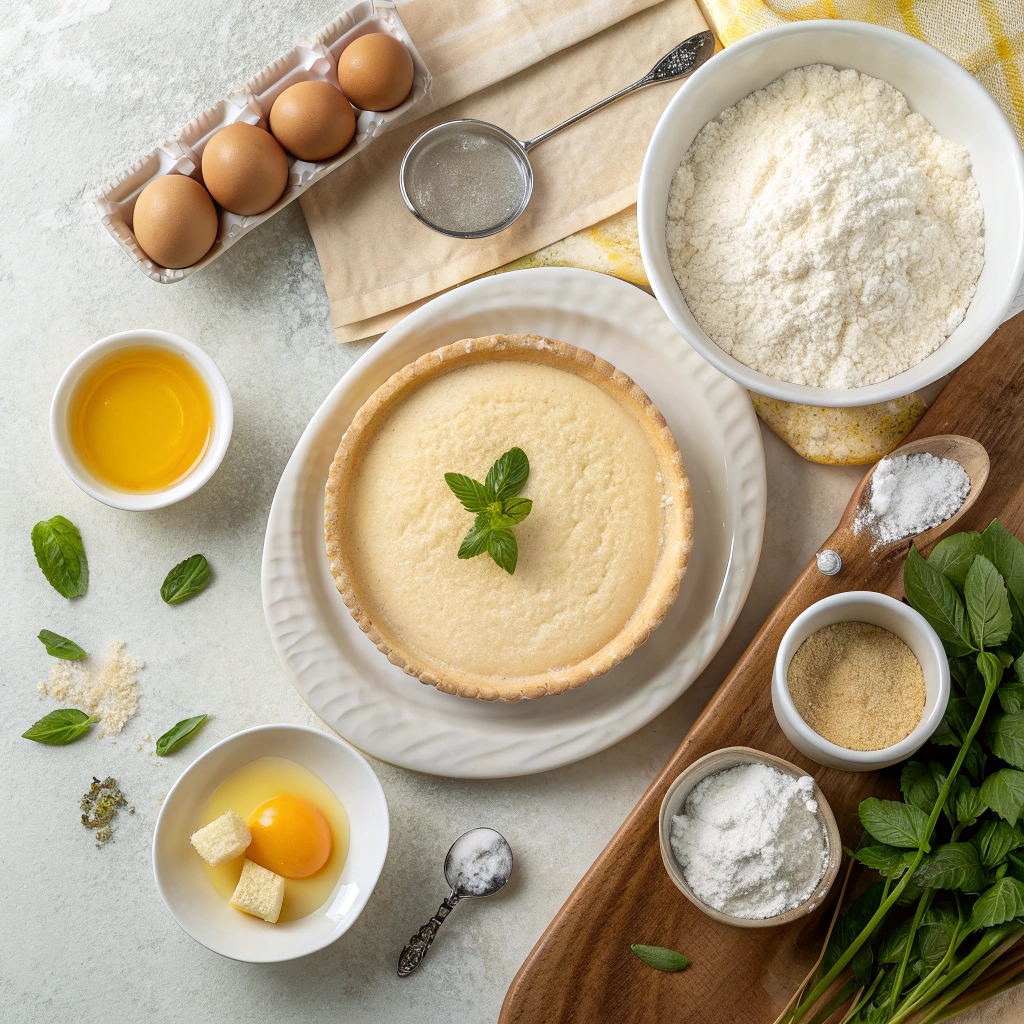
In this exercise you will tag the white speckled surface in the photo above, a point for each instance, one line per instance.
(89, 84)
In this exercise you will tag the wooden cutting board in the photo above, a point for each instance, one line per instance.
(582, 970)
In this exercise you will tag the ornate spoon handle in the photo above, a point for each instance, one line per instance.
(678, 62)
(413, 954)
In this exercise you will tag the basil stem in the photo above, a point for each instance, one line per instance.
(922, 905)
(919, 994)
(887, 904)
(990, 947)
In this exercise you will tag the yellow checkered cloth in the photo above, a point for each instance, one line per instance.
(985, 36)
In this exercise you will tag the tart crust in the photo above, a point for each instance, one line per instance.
(677, 526)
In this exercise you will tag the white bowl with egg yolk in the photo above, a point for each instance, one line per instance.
(955, 103)
(182, 881)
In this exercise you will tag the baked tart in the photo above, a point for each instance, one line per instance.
(597, 557)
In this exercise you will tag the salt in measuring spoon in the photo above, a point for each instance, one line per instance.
(478, 864)
(470, 179)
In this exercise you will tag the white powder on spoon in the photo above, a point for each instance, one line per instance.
(750, 842)
(481, 857)
(911, 494)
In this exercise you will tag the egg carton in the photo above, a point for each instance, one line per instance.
(314, 59)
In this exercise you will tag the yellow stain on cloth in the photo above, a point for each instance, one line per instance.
(984, 36)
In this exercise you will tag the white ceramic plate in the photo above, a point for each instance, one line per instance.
(373, 704)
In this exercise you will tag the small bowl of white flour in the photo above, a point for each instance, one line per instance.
(832, 213)
(749, 838)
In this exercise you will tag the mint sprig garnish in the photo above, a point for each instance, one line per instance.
(496, 507)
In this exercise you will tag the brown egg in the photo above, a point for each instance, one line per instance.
(375, 71)
(312, 120)
(245, 169)
(175, 221)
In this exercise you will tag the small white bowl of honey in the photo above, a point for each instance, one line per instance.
(141, 419)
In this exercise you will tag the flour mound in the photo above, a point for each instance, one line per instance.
(750, 842)
(823, 234)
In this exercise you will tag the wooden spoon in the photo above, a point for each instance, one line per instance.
(855, 549)
(971, 455)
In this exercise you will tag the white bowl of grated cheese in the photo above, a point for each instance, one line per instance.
(959, 109)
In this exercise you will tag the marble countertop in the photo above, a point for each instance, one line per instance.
(90, 84)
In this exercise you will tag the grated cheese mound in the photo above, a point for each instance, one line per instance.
(112, 693)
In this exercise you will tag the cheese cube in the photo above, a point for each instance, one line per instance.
(259, 892)
(223, 839)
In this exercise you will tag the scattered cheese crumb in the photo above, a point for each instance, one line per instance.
(223, 839)
(112, 693)
(259, 892)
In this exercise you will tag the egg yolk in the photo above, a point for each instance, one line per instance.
(289, 836)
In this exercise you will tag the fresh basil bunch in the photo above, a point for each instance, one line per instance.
(945, 921)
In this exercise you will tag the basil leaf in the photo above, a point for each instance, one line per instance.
(178, 735)
(505, 479)
(995, 839)
(894, 823)
(990, 667)
(953, 556)
(935, 934)
(1006, 553)
(894, 944)
(60, 646)
(659, 958)
(930, 593)
(470, 492)
(974, 762)
(960, 669)
(848, 927)
(185, 580)
(988, 607)
(1003, 792)
(515, 510)
(1011, 691)
(502, 547)
(888, 861)
(953, 866)
(1002, 903)
(60, 727)
(955, 724)
(918, 786)
(1005, 737)
(969, 804)
(474, 543)
(1015, 866)
(61, 555)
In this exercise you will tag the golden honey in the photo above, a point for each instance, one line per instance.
(141, 419)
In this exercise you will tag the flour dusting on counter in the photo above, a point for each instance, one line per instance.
(112, 693)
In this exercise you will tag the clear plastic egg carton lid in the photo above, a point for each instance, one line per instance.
(314, 59)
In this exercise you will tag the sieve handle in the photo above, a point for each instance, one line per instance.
(677, 63)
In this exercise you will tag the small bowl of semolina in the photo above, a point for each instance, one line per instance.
(861, 681)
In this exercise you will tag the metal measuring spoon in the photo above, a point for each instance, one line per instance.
(478, 864)
(470, 179)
